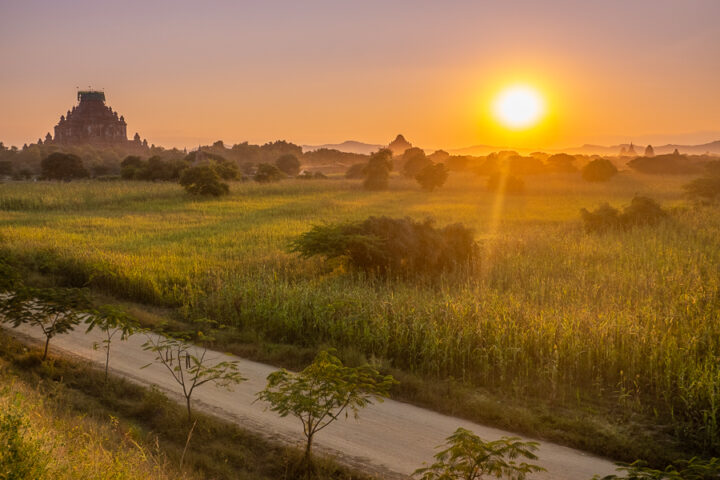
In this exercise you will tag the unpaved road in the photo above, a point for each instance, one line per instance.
(390, 438)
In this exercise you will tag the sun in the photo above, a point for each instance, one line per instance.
(519, 107)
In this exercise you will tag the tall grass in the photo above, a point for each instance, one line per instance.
(555, 313)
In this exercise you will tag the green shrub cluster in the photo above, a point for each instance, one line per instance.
(641, 211)
(391, 245)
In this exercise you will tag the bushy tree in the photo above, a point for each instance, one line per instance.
(288, 164)
(377, 170)
(468, 457)
(432, 176)
(706, 187)
(413, 161)
(641, 211)
(387, 245)
(322, 392)
(356, 171)
(203, 180)
(6, 168)
(505, 183)
(63, 166)
(599, 170)
(54, 310)
(190, 367)
(562, 163)
(267, 173)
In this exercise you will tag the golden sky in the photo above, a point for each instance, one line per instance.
(184, 72)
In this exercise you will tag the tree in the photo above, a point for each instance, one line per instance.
(561, 162)
(599, 170)
(111, 321)
(288, 164)
(356, 171)
(267, 173)
(649, 151)
(203, 180)
(54, 310)
(506, 183)
(693, 469)
(6, 168)
(189, 366)
(63, 166)
(414, 160)
(468, 457)
(377, 170)
(432, 177)
(323, 391)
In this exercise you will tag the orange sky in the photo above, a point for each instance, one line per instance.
(184, 72)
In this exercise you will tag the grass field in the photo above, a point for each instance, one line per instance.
(625, 322)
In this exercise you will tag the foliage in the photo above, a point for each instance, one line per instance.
(706, 187)
(673, 163)
(599, 170)
(111, 321)
(6, 168)
(356, 171)
(267, 173)
(21, 457)
(468, 457)
(189, 366)
(377, 170)
(641, 211)
(561, 162)
(288, 164)
(322, 392)
(63, 166)
(413, 161)
(203, 180)
(9, 276)
(505, 183)
(432, 176)
(54, 310)
(387, 245)
(693, 469)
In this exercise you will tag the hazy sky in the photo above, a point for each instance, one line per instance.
(189, 72)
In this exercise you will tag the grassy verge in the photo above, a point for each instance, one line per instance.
(84, 429)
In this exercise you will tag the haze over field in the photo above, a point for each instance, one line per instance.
(185, 73)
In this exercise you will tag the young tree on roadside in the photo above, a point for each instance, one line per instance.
(322, 392)
(468, 457)
(111, 321)
(189, 366)
(54, 310)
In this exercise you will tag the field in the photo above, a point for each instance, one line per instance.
(624, 322)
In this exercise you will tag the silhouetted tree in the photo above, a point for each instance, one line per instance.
(649, 151)
(505, 183)
(6, 168)
(561, 162)
(356, 171)
(63, 166)
(599, 170)
(203, 180)
(432, 177)
(267, 173)
(377, 170)
(288, 164)
(414, 160)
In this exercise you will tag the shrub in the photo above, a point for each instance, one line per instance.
(267, 173)
(356, 171)
(385, 245)
(708, 186)
(599, 170)
(288, 164)
(21, 457)
(377, 171)
(63, 166)
(432, 177)
(511, 183)
(641, 211)
(203, 180)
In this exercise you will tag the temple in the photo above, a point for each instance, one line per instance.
(91, 122)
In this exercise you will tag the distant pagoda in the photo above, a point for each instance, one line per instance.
(92, 122)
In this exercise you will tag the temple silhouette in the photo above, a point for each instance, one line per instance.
(92, 122)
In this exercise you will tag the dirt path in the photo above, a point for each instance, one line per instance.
(390, 438)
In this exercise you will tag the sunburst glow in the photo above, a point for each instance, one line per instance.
(519, 107)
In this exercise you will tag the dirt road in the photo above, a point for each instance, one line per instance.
(390, 438)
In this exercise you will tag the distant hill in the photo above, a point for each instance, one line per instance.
(349, 146)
